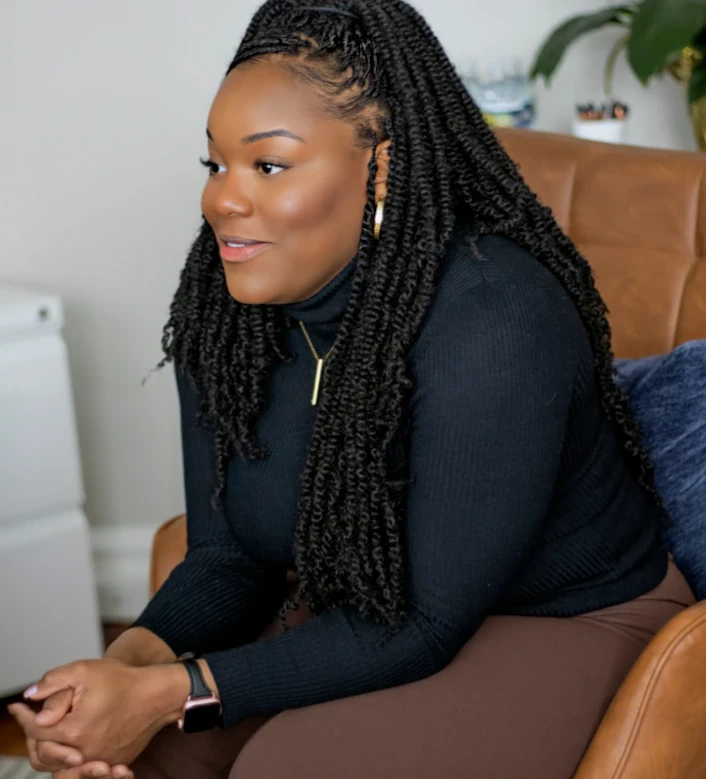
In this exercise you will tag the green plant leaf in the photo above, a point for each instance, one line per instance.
(556, 44)
(697, 83)
(660, 30)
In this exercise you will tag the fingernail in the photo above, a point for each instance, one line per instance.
(74, 759)
(30, 691)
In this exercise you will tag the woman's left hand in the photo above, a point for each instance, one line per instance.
(116, 709)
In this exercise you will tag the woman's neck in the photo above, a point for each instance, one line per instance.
(329, 304)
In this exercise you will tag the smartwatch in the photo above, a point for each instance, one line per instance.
(203, 709)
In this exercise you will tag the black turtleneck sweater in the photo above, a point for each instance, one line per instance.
(521, 501)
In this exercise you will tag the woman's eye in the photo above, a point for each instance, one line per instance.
(269, 168)
(213, 167)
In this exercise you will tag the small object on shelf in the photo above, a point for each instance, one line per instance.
(503, 92)
(620, 111)
(606, 122)
(614, 110)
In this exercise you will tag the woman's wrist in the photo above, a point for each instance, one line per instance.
(165, 689)
(139, 646)
(208, 677)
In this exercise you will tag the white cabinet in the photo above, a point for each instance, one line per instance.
(48, 604)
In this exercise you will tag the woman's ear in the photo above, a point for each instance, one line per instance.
(382, 158)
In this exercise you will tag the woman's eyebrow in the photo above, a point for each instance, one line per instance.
(267, 134)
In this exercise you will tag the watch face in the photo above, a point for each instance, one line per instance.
(201, 714)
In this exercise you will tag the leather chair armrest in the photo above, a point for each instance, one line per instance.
(168, 550)
(655, 727)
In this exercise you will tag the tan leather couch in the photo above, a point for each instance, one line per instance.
(639, 215)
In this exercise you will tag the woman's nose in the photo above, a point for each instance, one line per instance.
(229, 197)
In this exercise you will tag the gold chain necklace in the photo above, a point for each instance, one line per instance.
(319, 364)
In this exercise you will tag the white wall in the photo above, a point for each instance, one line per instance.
(104, 107)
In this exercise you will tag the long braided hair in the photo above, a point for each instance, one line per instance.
(379, 66)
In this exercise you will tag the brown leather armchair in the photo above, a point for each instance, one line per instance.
(639, 215)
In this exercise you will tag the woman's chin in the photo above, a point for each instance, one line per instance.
(250, 294)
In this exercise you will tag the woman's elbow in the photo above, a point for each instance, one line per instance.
(442, 640)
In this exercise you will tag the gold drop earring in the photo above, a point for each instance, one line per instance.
(379, 212)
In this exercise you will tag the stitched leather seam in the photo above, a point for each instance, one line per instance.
(695, 226)
(694, 265)
(639, 719)
(572, 194)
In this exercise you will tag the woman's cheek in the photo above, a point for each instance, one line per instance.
(302, 205)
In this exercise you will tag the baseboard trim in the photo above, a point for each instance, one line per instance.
(121, 558)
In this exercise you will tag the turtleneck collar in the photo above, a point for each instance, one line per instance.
(329, 304)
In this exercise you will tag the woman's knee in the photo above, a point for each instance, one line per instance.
(276, 751)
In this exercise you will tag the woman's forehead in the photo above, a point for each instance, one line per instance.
(263, 96)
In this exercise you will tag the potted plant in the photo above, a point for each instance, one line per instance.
(660, 36)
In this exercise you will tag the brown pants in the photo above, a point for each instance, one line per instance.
(521, 700)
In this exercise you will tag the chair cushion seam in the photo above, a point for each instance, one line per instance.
(639, 719)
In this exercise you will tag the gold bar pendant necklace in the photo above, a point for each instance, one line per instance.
(319, 365)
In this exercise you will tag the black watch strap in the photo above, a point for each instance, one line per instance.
(199, 688)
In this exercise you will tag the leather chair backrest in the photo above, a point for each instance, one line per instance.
(639, 216)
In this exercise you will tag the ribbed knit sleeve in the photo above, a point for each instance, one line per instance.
(219, 596)
(493, 379)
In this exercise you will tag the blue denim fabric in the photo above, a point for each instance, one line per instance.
(668, 397)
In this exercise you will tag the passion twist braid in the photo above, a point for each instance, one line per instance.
(379, 66)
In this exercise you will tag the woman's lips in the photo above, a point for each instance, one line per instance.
(240, 253)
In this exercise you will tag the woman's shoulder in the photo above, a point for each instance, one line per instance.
(493, 289)
(492, 261)
(496, 269)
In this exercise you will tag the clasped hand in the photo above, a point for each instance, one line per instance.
(96, 716)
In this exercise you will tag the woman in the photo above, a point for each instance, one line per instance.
(395, 376)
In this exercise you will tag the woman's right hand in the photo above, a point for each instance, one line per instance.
(136, 646)
(62, 761)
